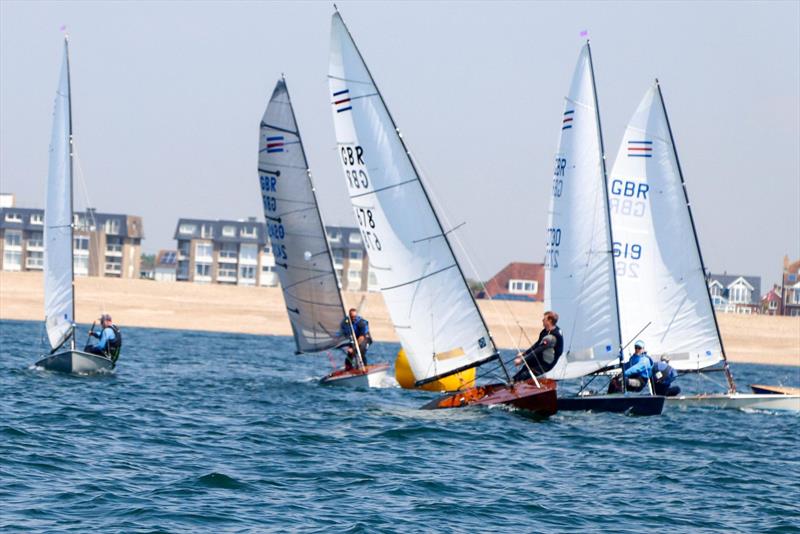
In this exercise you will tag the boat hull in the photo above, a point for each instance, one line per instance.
(540, 400)
(774, 390)
(738, 401)
(371, 376)
(627, 404)
(76, 362)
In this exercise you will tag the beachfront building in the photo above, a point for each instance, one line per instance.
(791, 288)
(771, 302)
(734, 293)
(516, 281)
(238, 252)
(165, 266)
(104, 244)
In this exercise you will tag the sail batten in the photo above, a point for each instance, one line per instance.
(422, 291)
(59, 299)
(660, 272)
(579, 271)
(296, 231)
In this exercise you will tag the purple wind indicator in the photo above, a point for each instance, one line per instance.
(584, 33)
(63, 27)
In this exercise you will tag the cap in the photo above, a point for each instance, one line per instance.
(639, 344)
(665, 357)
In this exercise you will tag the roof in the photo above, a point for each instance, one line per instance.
(167, 259)
(727, 280)
(770, 296)
(129, 225)
(214, 230)
(498, 284)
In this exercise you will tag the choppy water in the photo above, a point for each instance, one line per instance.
(231, 433)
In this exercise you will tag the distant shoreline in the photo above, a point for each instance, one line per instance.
(260, 310)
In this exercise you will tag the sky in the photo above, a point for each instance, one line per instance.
(167, 99)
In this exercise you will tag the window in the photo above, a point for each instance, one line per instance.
(112, 226)
(226, 273)
(249, 231)
(203, 250)
(80, 265)
(739, 294)
(266, 268)
(207, 231)
(35, 240)
(355, 238)
(183, 248)
(113, 265)
(202, 271)
(248, 253)
(80, 242)
(356, 254)
(372, 282)
(716, 290)
(186, 228)
(247, 272)
(113, 245)
(354, 275)
(37, 218)
(523, 286)
(267, 250)
(12, 260)
(13, 239)
(338, 256)
(773, 304)
(229, 231)
(35, 260)
(336, 236)
(228, 252)
(183, 270)
(13, 217)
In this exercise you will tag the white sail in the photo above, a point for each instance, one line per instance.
(429, 302)
(579, 277)
(58, 290)
(660, 277)
(294, 225)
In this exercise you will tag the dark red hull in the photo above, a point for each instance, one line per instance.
(526, 395)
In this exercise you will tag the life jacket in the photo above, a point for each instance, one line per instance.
(114, 345)
(661, 375)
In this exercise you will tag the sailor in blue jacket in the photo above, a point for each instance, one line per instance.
(107, 337)
(360, 327)
(636, 371)
(663, 376)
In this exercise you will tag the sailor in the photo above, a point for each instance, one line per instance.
(663, 376)
(109, 338)
(360, 327)
(636, 371)
(544, 354)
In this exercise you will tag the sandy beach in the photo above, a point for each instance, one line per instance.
(260, 310)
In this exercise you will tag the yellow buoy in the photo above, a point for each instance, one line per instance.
(405, 377)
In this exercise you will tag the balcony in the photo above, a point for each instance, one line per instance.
(228, 256)
(114, 250)
(34, 263)
(113, 268)
(35, 244)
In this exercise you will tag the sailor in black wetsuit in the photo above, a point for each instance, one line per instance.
(544, 354)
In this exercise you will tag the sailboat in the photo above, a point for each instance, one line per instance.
(660, 271)
(59, 278)
(302, 253)
(579, 264)
(431, 307)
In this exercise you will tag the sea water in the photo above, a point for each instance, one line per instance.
(232, 433)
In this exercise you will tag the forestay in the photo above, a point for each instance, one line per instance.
(429, 302)
(660, 276)
(296, 232)
(579, 277)
(58, 290)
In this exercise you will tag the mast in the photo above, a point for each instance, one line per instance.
(438, 222)
(322, 224)
(728, 374)
(71, 194)
(607, 207)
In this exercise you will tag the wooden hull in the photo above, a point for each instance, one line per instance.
(627, 404)
(738, 401)
(523, 395)
(370, 377)
(76, 362)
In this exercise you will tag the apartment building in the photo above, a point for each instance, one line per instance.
(238, 252)
(734, 293)
(104, 244)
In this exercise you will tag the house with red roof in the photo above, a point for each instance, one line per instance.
(516, 281)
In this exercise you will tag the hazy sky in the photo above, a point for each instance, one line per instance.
(167, 98)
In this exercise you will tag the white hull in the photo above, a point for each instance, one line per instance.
(738, 401)
(75, 361)
(372, 379)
